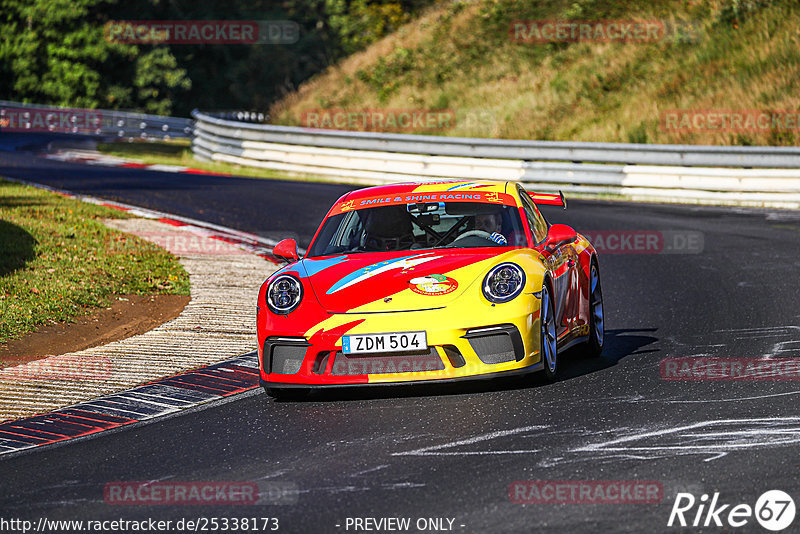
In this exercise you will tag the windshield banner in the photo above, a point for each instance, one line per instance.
(492, 197)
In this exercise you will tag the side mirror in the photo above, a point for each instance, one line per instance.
(287, 250)
(560, 234)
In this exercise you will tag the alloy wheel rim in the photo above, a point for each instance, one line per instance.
(548, 331)
(597, 306)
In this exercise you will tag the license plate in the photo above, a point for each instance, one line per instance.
(394, 342)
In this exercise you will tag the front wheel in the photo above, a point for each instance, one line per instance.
(594, 346)
(548, 345)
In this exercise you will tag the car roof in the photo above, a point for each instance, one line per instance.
(430, 187)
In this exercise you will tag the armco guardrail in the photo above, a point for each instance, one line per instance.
(18, 117)
(684, 155)
(658, 172)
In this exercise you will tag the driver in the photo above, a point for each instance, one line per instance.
(492, 224)
(387, 228)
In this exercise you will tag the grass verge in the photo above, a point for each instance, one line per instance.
(460, 56)
(58, 260)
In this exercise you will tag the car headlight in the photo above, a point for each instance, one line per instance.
(504, 282)
(284, 294)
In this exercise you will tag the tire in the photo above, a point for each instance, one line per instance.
(594, 346)
(548, 341)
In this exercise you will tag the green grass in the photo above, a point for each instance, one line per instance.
(58, 260)
(179, 152)
(724, 55)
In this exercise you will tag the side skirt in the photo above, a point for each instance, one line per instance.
(570, 341)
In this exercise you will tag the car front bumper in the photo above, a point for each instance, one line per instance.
(499, 342)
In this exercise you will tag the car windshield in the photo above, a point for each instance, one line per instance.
(419, 226)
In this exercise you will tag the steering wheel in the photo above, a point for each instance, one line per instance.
(476, 233)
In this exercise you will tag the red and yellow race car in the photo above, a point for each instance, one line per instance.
(429, 282)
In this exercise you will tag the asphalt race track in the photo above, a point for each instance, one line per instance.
(453, 452)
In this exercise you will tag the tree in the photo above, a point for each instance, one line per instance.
(55, 52)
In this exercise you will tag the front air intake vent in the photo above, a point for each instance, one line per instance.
(455, 356)
(287, 360)
(284, 355)
(497, 344)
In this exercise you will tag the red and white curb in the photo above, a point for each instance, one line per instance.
(159, 396)
(143, 403)
(91, 157)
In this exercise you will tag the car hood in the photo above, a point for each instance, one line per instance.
(394, 281)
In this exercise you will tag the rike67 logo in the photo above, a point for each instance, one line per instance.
(774, 510)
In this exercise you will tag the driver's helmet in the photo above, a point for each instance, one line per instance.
(387, 228)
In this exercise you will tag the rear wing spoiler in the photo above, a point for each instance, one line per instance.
(550, 199)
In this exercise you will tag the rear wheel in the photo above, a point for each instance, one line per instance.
(594, 346)
(548, 346)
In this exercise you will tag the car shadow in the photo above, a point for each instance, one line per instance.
(16, 247)
(619, 344)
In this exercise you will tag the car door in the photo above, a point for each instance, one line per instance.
(562, 264)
